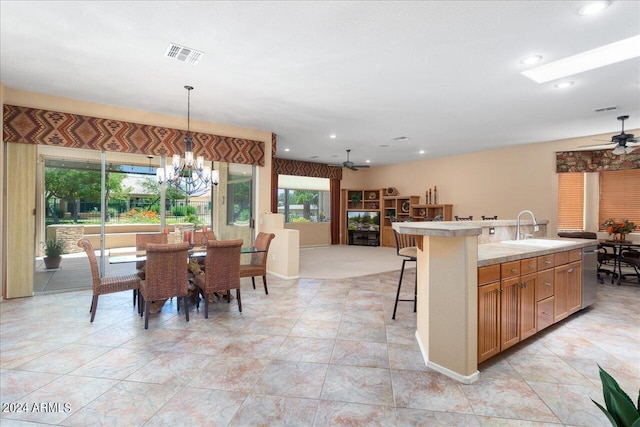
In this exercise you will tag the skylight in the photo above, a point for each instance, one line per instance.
(589, 60)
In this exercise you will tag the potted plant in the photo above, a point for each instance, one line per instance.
(620, 409)
(355, 199)
(53, 248)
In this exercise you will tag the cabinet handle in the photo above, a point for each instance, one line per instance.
(570, 270)
(531, 267)
(514, 270)
(547, 284)
(500, 291)
(547, 262)
(523, 285)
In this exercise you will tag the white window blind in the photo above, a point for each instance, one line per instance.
(620, 196)
(571, 201)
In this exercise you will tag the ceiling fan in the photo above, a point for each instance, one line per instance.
(350, 165)
(621, 140)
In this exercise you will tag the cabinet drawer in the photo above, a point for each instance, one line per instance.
(544, 285)
(545, 261)
(560, 258)
(510, 269)
(545, 313)
(575, 255)
(529, 265)
(488, 274)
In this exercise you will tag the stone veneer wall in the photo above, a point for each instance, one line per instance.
(69, 234)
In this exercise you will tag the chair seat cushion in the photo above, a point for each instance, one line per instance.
(411, 252)
(248, 270)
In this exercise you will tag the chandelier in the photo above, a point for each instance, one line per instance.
(186, 175)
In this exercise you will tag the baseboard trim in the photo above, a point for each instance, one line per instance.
(282, 276)
(464, 379)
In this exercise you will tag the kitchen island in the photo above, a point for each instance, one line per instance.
(447, 274)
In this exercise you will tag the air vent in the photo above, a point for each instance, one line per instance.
(603, 109)
(401, 138)
(183, 54)
(313, 157)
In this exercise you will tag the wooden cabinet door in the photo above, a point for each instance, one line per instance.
(574, 287)
(488, 321)
(509, 312)
(560, 305)
(528, 313)
(545, 313)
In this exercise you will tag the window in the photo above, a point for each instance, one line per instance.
(620, 195)
(304, 199)
(239, 195)
(571, 201)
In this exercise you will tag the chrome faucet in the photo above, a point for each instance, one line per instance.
(535, 224)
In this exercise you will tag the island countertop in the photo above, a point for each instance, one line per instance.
(496, 253)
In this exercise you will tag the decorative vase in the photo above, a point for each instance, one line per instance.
(52, 263)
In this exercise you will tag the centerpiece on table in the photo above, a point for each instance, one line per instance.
(618, 228)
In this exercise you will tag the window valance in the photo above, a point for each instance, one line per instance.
(302, 168)
(36, 126)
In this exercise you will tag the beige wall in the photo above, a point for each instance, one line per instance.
(312, 234)
(499, 182)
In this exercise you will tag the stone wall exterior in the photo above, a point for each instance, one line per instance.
(69, 234)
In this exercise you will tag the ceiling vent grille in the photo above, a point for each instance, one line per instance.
(401, 138)
(184, 54)
(603, 109)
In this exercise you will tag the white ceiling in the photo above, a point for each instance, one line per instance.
(446, 74)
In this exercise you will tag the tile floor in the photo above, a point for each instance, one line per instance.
(311, 353)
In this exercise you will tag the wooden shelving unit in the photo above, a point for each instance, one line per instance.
(360, 200)
(395, 207)
(428, 212)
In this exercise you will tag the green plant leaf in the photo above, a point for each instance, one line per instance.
(623, 409)
(611, 419)
(609, 383)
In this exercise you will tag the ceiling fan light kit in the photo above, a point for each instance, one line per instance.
(621, 140)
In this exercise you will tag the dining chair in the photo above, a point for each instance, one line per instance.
(464, 218)
(142, 239)
(222, 271)
(407, 249)
(105, 285)
(258, 265)
(605, 257)
(631, 258)
(200, 238)
(166, 276)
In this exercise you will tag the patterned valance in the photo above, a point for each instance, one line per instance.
(35, 126)
(595, 160)
(300, 168)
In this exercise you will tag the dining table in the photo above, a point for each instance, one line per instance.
(618, 247)
(127, 255)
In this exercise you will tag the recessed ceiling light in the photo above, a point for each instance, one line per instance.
(530, 60)
(332, 136)
(421, 151)
(286, 149)
(593, 7)
(589, 60)
(564, 85)
(367, 161)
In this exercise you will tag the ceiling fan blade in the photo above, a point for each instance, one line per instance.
(360, 166)
(597, 145)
